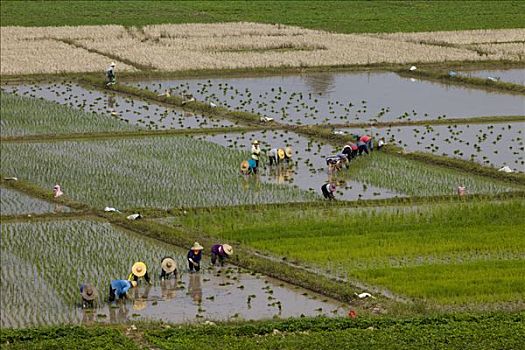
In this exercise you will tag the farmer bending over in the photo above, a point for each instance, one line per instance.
(168, 267)
(368, 141)
(194, 257)
(88, 294)
(221, 251)
(350, 150)
(328, 191)
(249, 167)
(119, 289)
(110, 75)
(139, 270)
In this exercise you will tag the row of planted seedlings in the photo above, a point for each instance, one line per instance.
(339, 97)
(57, 256)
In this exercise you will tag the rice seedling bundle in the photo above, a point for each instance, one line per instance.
(159, 172)
(28, 116)
(227, 46)
(44, 263)
(15, 203)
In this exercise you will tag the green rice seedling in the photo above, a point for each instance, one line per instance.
(158, 172)
(425, 252)
(15, 203)
(27, 116)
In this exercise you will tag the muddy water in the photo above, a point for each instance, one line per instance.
(129, 110)
(315, 98)
(217, 294)
(489, 144)
(309, 171)
(516, 76)
(15, 203)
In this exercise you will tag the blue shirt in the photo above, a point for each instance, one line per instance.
(120, 286)
(195, 257)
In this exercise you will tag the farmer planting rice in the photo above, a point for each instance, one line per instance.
(194, 257)
(350, 150)
(367, 139)
(256, 152)
(139, 270)
(88, 294)
(118, 289)
(362, 147)
(110, 75)
(277, 155)
(222, 252)
(249, 167)
(328, 190)
(336, 162)
(168, 268)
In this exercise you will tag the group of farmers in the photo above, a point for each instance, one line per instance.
(275, 156)
(118, 289)
(363, 145)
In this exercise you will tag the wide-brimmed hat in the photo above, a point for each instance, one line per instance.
(244, 165)
(112, 64)
(139, 269)
(280, 153)
(228, 249)
(288, 151)
(197, 246)
(139, 305)
(89, 292)
(168, 264)
(255, 142)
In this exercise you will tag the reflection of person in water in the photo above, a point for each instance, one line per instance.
(281, 174)
(88, 317)
(168, 289)
(195, 288)
(140, 299)
(118, 317)
(111, 101)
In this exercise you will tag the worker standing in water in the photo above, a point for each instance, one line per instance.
(278, 155)
(222, 252)
(88, 294)
(248, 167)
(118, 289)
(256, 152)
(168, 265)
(328, 190)
(110, 75)
(139, 270)
(194, 257)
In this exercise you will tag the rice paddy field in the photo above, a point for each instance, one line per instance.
(401, 259)
(339, 98)
(41, 252)
(16, 203)
(126, 113)
(494, 144)
(455, 255)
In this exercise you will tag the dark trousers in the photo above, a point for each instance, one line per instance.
(112, 295)
(326, 193)
(192, 267)
(363, 148)
(164, 275)
(214, 259)
(273, 160)
(146, 277)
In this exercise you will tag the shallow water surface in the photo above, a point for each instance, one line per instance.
(489, 144)
(13, 202)
(308, 171)
(130, 110)
(516, 76)
(338, 98)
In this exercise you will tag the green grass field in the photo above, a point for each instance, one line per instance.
(337, 16)
(454, 254)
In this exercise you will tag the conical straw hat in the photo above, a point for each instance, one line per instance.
(139, 269)
(227, 249)
(168, 264)
(288, 151)
(280, 153)
(89, 292)
(244, 166)
(197, 246)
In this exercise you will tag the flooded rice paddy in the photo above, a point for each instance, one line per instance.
(308, 171)
(13, 202)
(489, 144)
(127, 109)
(515, 76)
(56, 257)
(340, 98)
